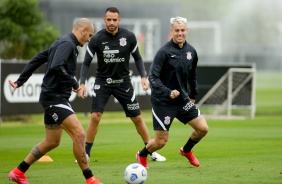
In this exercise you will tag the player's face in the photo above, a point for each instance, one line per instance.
(179, 32)
(112, 21)
(86, 35)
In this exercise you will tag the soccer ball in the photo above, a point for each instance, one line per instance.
(135, 174)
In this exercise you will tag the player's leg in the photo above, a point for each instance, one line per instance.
(100, 98)
(52, 140)
(75, 130)
(191, 115)
(162, 119)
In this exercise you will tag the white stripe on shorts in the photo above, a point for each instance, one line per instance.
(133, 96)
(64, 107)
(158, 119)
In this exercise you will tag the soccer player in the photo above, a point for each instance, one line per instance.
(58, 83)
(173, 80)
(113, 46)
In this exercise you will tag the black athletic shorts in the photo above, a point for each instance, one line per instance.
(163, 115)
(57, 113)
(123, 92)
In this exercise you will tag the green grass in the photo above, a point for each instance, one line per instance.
(234, 151)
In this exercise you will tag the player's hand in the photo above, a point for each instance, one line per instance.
(76, 90)
(174, 94)
(13, 84)
(82, 92)
(145, 83)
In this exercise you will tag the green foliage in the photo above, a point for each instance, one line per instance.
(23, 32)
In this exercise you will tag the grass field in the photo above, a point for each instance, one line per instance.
(234, 151)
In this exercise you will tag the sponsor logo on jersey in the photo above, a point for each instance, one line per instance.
(122, 42)
(167, 120)
(189, 55)
(112, 81)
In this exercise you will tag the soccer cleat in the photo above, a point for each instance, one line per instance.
(141, 160)
(87, 157)
(17, 176)
(192, 159)
(93, 180)
(157, 157)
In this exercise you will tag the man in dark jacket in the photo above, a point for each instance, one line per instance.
(173, 80)
(58, 83)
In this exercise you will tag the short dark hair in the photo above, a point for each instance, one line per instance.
(112, 9)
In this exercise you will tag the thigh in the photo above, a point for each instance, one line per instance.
(163, 116)
(125, 94)
(72, 126)
(100, 97)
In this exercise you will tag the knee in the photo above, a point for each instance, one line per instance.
(161, 143)
(79, 136)
(53, 144)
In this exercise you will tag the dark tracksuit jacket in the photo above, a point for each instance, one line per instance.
(174, 68)
(58, 81)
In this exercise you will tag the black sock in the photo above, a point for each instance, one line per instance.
(189, 145)
(88, 147)
(87, 173)
(23, 166)
(147, 150)
(144, 152)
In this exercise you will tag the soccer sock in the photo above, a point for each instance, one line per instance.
(144, 152)
(189, 145)
(87, 173)
(88, 147)
(23, 166)
(145, 145)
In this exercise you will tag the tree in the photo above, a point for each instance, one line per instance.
(23, 32)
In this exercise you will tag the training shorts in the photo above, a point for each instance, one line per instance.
(163, 115)
(123, 92)
(57, 113)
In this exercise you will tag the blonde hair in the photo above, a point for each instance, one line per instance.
(178, 20)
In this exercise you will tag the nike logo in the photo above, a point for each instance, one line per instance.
(127, 90)
(104, 43)
(172, 56)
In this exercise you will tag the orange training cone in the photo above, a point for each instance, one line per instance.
(45, 159)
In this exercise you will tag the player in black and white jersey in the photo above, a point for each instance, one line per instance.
(114, 46)
(173, 79)
(57, 85)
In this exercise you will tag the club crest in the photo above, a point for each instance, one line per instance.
(167, 120)
(189, 55)
(122, 42)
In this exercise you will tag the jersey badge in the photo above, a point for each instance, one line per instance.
(122, 42)
(167, 120)
(189, 55)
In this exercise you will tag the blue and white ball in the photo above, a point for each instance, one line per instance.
(135, 174)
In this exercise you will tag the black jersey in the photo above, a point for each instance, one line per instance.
(58, 80)
(113, 55)
(174, 68)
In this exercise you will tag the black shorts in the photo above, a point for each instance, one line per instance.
(164, 115)
(123, 92)
(57, 113)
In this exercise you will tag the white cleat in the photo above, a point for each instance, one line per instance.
(157, 157)
(88, 158)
